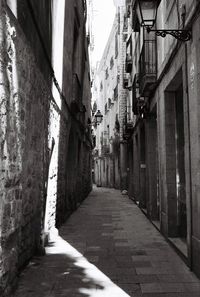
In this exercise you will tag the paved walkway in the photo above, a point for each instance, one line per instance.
(108, 248)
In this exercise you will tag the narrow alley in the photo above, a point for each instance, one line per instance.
(108, 248)
(99, 148)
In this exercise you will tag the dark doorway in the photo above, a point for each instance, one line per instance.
(142, 167)
(152, 172)
(175, 163)
(136, 168)
(130, 168)
(180, 164)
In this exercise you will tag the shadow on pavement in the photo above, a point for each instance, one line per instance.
(64, 272)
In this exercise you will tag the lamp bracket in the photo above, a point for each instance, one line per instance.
(182, 35)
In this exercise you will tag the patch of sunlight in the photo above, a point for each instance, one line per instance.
(108, 291)
(58, 20)
(104, 286)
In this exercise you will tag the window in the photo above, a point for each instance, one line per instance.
(106, 108)
(116, 92)
(110, 103)
(125, 28)
(129, 46)
(118, 19)
(106, 73)
(111, 63)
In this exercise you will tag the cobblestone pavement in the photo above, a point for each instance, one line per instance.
(108, 248)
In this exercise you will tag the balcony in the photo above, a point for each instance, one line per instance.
(105, 149)
(127, 84)
(128, 128)
(128, 63)
(110, 103)
(135, 94)
(148, 67)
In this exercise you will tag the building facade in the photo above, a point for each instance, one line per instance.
(45, 139)
(164, 144)
(109, 96)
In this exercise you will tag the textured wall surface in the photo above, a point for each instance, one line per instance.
(23, 155)
(74, 142)
(39, 134)
(111, 167)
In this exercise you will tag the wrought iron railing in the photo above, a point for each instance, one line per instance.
(135, 94)
(105, 149)
(110, 103)
(148, 58)
(128, 127)
(128, 63)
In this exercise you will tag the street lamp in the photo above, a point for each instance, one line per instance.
(98, 117)
(147, 14)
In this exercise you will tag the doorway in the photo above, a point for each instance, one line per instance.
(143, 203)
(153, 196)
(176, 209)
(180, 164)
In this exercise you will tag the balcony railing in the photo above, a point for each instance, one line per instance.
(148, 67)
(125, 82)
(105, 149)
(135, 94)
(128, 127)
(110, 103)
(128, 63)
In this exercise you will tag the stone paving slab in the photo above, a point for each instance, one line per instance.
(108, 248)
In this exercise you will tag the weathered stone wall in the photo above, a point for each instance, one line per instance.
(45, 148)
(24, 108)
(193, 189)
(74, 164)
(175, 103)
(183, 69)
(42, 12)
